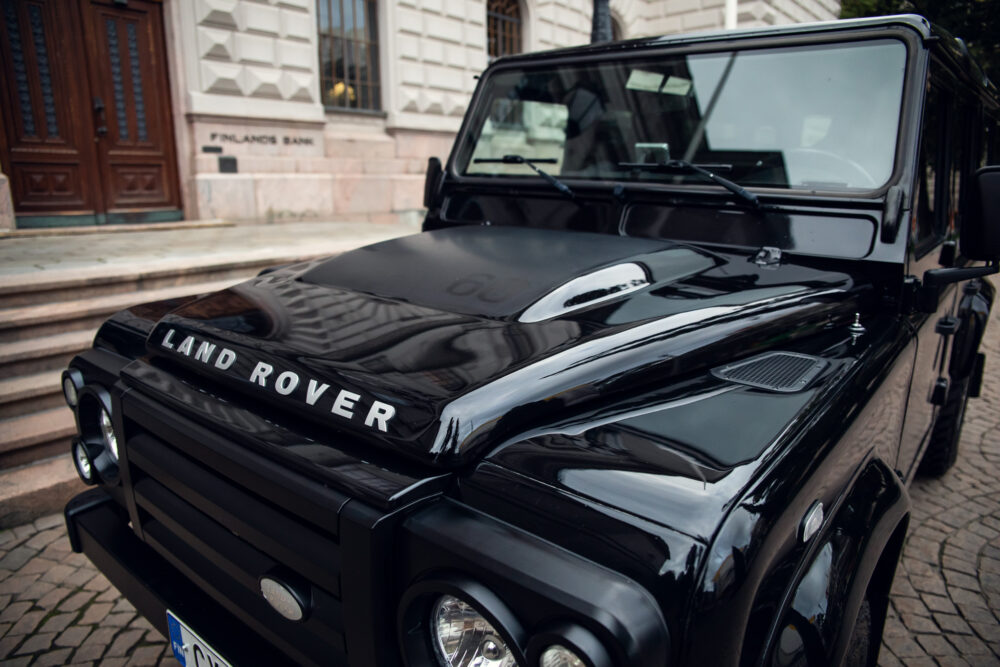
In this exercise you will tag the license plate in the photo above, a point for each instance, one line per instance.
(190, 649)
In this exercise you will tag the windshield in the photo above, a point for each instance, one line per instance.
(816, 117)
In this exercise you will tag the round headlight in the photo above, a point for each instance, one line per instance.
(464, 638)
(81, 460)
(560, 656)
(108, 434)
(69, 392)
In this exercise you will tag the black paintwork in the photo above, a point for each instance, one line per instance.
(461, 382)
(536, 467)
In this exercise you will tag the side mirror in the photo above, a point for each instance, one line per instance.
(980, 233)
(979, 238)
(432, 184)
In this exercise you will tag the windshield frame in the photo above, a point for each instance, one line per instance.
(644, 49)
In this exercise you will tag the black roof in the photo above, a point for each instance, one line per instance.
(950, 47)
(918, 23)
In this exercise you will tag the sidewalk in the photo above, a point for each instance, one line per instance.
(25, 260)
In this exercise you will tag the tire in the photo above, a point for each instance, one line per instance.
(860, 650)
(946, 433)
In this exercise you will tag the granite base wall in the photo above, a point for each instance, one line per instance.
(303, 171)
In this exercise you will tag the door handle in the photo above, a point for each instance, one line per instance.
(102, 129)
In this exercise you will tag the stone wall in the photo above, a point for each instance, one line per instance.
(250, 59)
(777, 12)
(676, 16)
(246, 75)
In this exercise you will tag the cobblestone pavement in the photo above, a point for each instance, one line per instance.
(946, 595)
(55, 609)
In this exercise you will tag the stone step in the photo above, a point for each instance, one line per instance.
(30, 393)
(28, 322)
(36, 490)
(46, 353)
(40, 288)
(22, 437)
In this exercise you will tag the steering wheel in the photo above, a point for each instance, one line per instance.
(812, 159)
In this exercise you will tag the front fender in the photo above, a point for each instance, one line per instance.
(854, 555)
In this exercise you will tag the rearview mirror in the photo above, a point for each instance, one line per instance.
(980, 233)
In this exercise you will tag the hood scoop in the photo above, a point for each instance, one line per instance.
(783, 372)
(505, 272)
(586, 291)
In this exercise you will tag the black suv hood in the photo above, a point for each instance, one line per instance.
(442, 344)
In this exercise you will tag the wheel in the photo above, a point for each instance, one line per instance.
(859, 652)
(947, 431)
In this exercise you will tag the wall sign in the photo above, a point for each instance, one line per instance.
(260, 139)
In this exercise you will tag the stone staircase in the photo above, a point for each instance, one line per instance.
(57, 288)
(44, 324)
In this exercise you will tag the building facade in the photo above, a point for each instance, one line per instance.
(146, 110)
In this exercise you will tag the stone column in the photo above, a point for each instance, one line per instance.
(6, 205)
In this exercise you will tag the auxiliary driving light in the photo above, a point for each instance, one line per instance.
(464, 638)
(567, 645)
(72, 383)
(560, 656)
(98, 441)
(83, 463)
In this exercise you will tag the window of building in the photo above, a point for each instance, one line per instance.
(503, 28)
(348, 54)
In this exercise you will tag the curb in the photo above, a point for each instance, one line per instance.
(36, 490)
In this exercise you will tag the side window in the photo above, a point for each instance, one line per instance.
(959, 134)
(992, 140)
(947, 159)
(925, 222)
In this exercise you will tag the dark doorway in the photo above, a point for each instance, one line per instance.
(87, 132)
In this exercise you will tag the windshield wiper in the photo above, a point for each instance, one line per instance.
(684, 165)
(533, 163)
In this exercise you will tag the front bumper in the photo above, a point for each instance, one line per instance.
(98, 529)
(197, 516)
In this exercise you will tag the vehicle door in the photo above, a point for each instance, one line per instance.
(944, 163)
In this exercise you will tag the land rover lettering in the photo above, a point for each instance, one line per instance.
(684, 435)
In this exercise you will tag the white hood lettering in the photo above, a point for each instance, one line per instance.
(186, 346)
(225, 360)
(344, 403)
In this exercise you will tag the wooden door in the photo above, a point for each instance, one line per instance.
(87, 129)
(47, 144)
(131, 101)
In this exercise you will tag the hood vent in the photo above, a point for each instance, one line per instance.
(775, 371)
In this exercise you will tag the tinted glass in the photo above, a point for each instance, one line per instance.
(821, 117)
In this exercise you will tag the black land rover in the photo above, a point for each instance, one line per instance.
(686, 316)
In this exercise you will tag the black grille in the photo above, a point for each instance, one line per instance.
(775, 371)
(225, 530)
